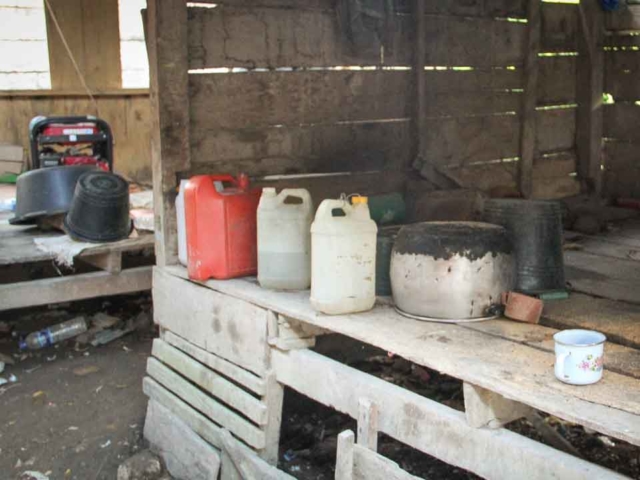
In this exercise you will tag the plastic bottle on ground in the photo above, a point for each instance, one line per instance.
(55, 334)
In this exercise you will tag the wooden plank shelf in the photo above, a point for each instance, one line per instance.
(493, 361)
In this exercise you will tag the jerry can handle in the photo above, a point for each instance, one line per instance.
(301, 193)
(325, 210)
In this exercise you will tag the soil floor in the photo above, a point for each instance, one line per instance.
(73, 412)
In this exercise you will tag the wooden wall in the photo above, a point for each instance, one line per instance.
(622, 119)
(127, 113)
(322, 117)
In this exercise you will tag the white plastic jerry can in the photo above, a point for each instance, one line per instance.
(284, 239)
(182, 227)
(343, 257)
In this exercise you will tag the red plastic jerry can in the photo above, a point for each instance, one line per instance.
(220, 214)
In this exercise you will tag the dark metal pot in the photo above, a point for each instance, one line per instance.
(451, 271)
(100, 208)
(46, 192)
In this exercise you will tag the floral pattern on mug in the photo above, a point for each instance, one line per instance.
(591, 364)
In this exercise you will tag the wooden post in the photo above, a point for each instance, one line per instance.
(590, 86)
(487, 409)
(344, 461)
(420, 54)
(368, 425)
(169, 89)
(530, 99)
(273, 399)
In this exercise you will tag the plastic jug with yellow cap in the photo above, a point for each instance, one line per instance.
(343, 257)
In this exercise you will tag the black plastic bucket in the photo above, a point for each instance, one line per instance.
(100, 208)
(384, 247)
(535, 227)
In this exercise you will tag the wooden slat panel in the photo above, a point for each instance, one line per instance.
(472, 80)
(268, 37)
(333, 186)
(621, 121)
(233, 330)
(622, 74)
(627, 18)
(557, 80)
(458, 141)
(556, 130)
(559, 27)
(621, 156)
(472, 103)
(91, 30)
(551, 177)
(313, 149)
(622, 170)
(292, 98)
(474, 42)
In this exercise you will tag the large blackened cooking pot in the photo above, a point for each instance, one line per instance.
(451, 270)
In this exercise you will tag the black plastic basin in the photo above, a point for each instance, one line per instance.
(45, 192)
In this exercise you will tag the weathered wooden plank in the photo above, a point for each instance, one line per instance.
(185, 454)
(167, 49)
(273, 399)
(557, 80)
(528, 123)
(622, 84)
(91, 31)
(368, 424)
(515, 371)
(235, 373)
(486, 409)
(464, 140)
(552, 177)
(459, 41)
(248, 432)
(367, 465)
(621, 177)
(590, 80)
(619, 359)
(344, 456)
(263, 99)
(73, 287)
(306, 149)
(429, 426)
(211, 382)
(333, 186)
(621, 121)
(626, 18)
(232, 329)
(603, 276)
(559, 27)
(279, 37)
(617, 320)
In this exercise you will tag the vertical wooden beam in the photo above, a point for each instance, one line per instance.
(529, 99)
(368, 424)
(273, 399)
(344, 460)
(92, 32)
(169, 89)
(487, 409)
(418, 65)
(590, 86)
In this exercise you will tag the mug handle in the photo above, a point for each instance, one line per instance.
(561, 359)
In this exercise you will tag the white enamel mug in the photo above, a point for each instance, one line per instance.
(579, 356)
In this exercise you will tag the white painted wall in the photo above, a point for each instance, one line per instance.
(133, 51)
(24, 58)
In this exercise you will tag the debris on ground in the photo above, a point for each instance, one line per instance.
(33, 476)
(142, 466)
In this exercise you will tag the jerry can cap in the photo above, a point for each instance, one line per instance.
(359, 200)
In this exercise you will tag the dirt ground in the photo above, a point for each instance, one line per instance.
(72, 413)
